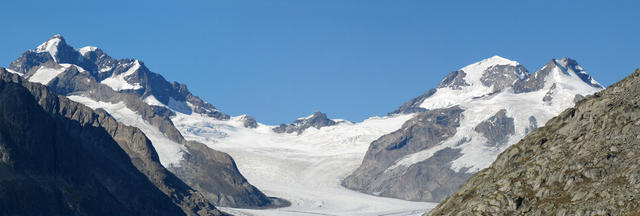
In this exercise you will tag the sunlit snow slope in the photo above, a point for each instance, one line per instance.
(305, 169)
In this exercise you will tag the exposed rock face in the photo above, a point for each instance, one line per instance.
(533, 124)
(503, 76)
(549, 95)
(454, 80)
(87, 163)
(582, 162)
(249, 122)
(497, 129)
(413, 106)
(499, 103)
(424, 131)
(317, 120)
(537, 80)
(155, 100)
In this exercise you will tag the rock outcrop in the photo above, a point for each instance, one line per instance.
(377, 174)
(316, 120)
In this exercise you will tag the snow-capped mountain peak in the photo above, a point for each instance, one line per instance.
(51, 46)
(488, 62)
(571, 67)
(489, 75)
(87, 49)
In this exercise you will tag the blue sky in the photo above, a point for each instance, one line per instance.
(280, 60)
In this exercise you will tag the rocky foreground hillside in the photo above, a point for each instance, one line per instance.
(58, 157)
(582, 162)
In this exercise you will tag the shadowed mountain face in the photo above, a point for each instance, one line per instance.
(100, 80)
(58, 157)
(582, 162)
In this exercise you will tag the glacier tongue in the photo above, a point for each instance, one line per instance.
(305, 169)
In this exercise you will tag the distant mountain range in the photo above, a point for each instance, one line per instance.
(423, 151)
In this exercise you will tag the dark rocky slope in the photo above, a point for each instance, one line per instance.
(582, 162)
(58, 157)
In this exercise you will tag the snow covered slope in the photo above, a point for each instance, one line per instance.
(474, 114)
(169, 152)
(305, 169)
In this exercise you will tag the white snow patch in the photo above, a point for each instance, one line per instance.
(51, 46)
(118, 82)
(105, 69)
(80, 69)
(44, 75)
(87, 49)
(153, 101)
(15, 72)
(179, 106)
(169, 152)
(307, 117)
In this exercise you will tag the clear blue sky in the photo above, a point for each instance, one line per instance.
(280, 60)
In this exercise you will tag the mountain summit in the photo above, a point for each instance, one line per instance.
(461, 126)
